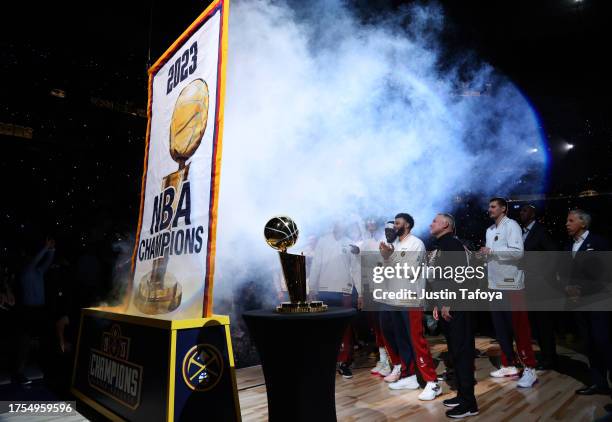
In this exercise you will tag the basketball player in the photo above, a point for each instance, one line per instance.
(503, 250)
(387, 358)
(389, 365)
(406, 336)
(331, 281)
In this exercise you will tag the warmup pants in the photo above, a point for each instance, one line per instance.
(511, 325)
(345, 301)
(374, 322)
(404, 331)
(381, 340)
(460, 335)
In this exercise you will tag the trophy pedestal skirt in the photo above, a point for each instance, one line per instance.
(140, 369)
(298, 355)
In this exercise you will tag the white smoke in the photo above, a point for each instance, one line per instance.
(328, 116)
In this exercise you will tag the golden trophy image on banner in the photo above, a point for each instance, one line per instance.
(281, 233)
(159, 291)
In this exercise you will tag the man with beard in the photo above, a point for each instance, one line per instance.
(406, 336)
(456, 325)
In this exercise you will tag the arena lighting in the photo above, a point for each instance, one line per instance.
(59, 93)
(568, 146)
(533, 150)
(17, 131)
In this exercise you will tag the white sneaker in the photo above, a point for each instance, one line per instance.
(408, 383)
(385, 371)
(383, 362)
(505, 371)
(380, 366)
(395, 374)
(528, 379)
(382, 354)
(431, 391)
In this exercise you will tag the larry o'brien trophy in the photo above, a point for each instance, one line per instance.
(282, 233)
(159, 291)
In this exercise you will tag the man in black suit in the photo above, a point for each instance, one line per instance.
(456, 325)
(538, 277)
(586, 278)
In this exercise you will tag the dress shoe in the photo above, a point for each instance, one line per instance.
(592, 390)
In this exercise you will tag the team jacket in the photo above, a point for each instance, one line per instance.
(506, 243)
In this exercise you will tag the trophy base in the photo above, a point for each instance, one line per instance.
(301, 307)
(152, 299)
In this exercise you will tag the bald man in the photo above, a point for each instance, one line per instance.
(456, 325)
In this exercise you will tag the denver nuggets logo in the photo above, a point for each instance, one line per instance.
(115, 344)
(202, 367)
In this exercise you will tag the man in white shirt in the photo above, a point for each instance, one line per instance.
(331, 281)
(403, 329)
(504, 248)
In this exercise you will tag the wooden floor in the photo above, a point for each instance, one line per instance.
(367, 398)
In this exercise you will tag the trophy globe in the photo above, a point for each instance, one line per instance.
(281, 233)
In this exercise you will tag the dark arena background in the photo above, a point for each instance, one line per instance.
(73, 121)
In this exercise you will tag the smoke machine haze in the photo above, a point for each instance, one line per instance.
(329, 116)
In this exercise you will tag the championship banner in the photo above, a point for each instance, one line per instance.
(173, 259)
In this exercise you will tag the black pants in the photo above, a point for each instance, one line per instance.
(460, 334)
(396, 329)
(595, 327)
(543, 324)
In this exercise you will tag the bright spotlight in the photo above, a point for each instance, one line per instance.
(533, 150)
(568, 146)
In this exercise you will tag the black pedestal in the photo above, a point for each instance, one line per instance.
(298, 355)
